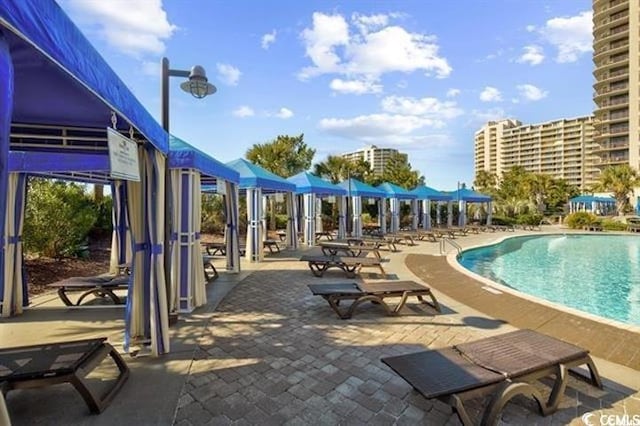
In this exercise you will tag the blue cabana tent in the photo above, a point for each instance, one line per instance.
(464, 196)
(312, 188)
(190, 169)
(427, 194)
(395, 194)
(257, 181)
(356, 190)
(58, 97)
(593, 204)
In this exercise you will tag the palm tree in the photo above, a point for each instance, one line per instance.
(620, 181)
(337, 168)
(539, 186)
(486, 182)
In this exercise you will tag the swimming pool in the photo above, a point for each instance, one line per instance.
(598, 274)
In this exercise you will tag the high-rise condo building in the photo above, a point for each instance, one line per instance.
(563, 149)
(616, 56)
(377, 157)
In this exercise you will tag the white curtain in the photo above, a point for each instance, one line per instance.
(319, 227)
(489, 212)
(309, 219)
(357, 216)
(450, 214)
(14, 285)
(147, 319)
(342, 211)
(231, 198)
(415, 215)
(292, 215)
(462, 213)
(254, 248)
(382, 215)
(395, 215)
(426, 214)
(263, 217)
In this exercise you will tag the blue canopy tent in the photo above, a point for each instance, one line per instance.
(356, 190)
(427, 195)
(257, 181)
(395, 194)
(593, 204)
(57, 95)
(464, 196)
(312, 188)
(190, 169)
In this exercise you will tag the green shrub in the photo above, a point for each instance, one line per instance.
(502, 220)
(281, 221)
(580, 219)
(366, 218)
(58, 218)
(104, 219)
(613, 225)
(531, 219)
(213, 214)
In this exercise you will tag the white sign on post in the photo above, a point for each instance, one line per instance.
(123, 156)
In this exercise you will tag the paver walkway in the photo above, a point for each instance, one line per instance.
(274, 354)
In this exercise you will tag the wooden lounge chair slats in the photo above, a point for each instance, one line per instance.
(66, 362)
(318, 264)
(502, 366)
(376, 293)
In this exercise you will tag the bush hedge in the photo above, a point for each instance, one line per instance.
(613, 225)
(532, 219)
(579, 220)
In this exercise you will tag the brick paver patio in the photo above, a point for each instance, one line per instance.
(274, 354)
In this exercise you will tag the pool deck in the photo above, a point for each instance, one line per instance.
(264, 350)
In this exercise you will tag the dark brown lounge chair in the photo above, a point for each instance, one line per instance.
(332, 248)
(372, 292)
(65, 362)
(503, 366)
(350, 265)
(210, 271)
(100, 286)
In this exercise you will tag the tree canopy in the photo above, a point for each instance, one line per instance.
(398, 171)
(620, 181)
(337, 168)
(284, 156)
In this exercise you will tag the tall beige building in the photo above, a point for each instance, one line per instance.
(377, 157)
(616, 56)
(564, 149)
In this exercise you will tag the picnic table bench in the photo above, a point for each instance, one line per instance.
(49, 364)
(354, 250)
(351, 265)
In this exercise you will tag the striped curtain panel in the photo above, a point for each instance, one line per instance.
(415, 215)
(357, 216)
(395, 215)
(13, 286)
(254, 227)
(292, 233)
(462, 213)
(450, 214)
(319, 227)
(263, 218)
(121, 237)
(309, 219)
(382, 215)
(342, 212)
(426, 214)
(231, 231)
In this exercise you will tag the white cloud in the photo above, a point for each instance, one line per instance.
(356, 87)
(136, 27)
(244, 111)
(402, 84)
(375, 49)
(425, 107)
(268, 39)
(284, 113)
(228, 74)
(531, 28)
(531, 93)
(572, 36)
(492, 114)
(490, 94)
(150, 68)
(452, 93)
(532, 55)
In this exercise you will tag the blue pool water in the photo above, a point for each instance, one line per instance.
(598, 274)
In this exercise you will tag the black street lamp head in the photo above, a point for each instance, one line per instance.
(198, 85)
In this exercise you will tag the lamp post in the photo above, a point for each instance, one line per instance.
(197, 85)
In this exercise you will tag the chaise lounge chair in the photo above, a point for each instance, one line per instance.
(502, 366)
(372, 292)
(333, 248)
(65, 362)
(101, 286)
(350, 265)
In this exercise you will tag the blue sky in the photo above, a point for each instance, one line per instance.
(420, 76)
